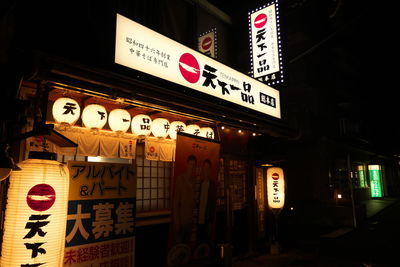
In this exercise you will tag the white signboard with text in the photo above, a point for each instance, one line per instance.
(265, 44)
(208, 43)
(142, 49)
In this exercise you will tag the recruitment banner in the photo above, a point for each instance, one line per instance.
(101, 215)
(194, 197)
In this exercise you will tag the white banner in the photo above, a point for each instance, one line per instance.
(266, 53)
(207, 43)
(140, 48)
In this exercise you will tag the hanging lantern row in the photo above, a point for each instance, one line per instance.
(94, 116)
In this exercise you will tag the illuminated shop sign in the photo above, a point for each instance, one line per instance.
(276, 188)
(375, 179)
(208, 43)
(265, 44)
(140, 48)
(361, 176)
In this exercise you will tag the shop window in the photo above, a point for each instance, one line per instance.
(153, 182)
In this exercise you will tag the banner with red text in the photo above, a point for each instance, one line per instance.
(101, 215)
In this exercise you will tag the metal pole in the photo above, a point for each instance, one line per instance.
(351, 191)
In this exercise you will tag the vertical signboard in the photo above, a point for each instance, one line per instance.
(265, 44)
(375, 178)
(101, 215)
(276, 188)
(208, 43)
(194, 199)
(260, 197)
(361, 176)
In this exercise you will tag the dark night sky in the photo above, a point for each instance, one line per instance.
(365, 43)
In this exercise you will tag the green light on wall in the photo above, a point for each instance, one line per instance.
(375, 177)
(361, 176)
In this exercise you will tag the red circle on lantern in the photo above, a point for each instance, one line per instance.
(275, 176)
(206, 43)
(152, 149)
(189, 68)
(260, 20)
(41, 197)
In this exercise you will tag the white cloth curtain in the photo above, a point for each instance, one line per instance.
(127, 148)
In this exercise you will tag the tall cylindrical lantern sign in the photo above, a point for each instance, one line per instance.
(160, 127)
(207, 132)
(141, 124)
(36, 215)
(94, 116)
(119, 120)
(175, 127)
(276, 188)
(193, 129)
(66, 110)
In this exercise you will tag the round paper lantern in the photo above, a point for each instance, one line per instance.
(94, 116)
(141, 124)
(119, 120)
(36, 214)
(207, 132)
(193, 129)
(175, 127)
(66, 110)
(160, 127)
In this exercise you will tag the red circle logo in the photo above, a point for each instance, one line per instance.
(189, 68)
(275, 176)
(41, 197)
(260, 20)
(206, 43)
(152, 149)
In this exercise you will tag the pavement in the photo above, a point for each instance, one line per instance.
(364, 246)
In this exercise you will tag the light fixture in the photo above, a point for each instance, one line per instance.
(36, 214)
(267, 165)
(66, 111)
(222, 127)
(94, 116)
(119, 120)
(193, 129)
(207, 132)
(175, 127)
(141, 124)
(160, 127)
(339, 196)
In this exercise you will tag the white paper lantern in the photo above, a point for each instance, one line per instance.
(36, 214)
(141, 124)
(119, 120)
(276, 188)
(193, 129)
(66, 110)
(94, 116)
(207, 132)
(160, 127)
(175, 127)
